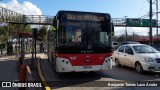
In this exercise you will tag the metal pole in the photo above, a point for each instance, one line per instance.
(157, 15)
(8, 51)
(150, 29)
(125, 28)
(9, 32)
(133, 35)
(32, 61)
(35, 47)
(23, 39)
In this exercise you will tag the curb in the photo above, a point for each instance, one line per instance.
(41, 75)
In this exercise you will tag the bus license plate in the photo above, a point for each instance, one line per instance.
(87, 67)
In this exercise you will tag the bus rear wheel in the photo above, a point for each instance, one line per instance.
(55, 68)
(54, 65)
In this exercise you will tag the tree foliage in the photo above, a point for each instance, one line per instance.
(19, 28)
(12, 30)
(43, 33)
(28, 29)
(3, 34)
(121, 38)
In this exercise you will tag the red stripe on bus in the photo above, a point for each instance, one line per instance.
(85, 59)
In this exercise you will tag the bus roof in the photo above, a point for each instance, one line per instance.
(65, 11)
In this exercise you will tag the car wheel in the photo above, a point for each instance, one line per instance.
(138, 67)
(117, 62)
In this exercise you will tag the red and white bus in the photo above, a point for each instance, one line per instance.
(81, 42)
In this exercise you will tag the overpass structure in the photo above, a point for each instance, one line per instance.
(134, 22)
(9, 16)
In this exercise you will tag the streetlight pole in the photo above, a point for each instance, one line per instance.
(157, 15)
(150, 28)
(125, 28)
(133, 35)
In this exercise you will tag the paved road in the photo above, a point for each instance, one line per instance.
(94, 80)
(8, 66)
(129, 74)
(8, 70)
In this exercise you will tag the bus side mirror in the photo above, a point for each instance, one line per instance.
(54, 25)
(112, 29)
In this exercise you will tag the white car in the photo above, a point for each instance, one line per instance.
(115, 45)
(139, 56)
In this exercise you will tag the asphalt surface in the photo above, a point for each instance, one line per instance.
(96, 80)
(78, 81)
(8, 68)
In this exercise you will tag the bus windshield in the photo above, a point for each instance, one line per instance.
(84, 34)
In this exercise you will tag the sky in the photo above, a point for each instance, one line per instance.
(117, 9)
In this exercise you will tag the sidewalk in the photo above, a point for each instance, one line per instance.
(10, 70)
(32, 72)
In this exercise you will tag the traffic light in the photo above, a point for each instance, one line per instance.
(54, 28)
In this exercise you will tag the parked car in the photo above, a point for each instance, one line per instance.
(139, 56)
(129, 42)
(157, 47)
(115, 45)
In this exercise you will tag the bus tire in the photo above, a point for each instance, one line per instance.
(55, 66)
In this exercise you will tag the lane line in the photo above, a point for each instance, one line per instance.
(41, 75)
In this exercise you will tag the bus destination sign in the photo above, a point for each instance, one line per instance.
(85, 17)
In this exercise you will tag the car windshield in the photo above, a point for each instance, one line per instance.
(144, 49)
(129, 42)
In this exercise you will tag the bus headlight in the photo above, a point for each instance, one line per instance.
(107, 60)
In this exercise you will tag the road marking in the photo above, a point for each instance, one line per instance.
(40, 74)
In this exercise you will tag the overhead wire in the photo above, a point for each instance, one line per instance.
(141, 8)
(129, 11)
(131, 8)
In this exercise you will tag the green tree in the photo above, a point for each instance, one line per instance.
(19, 28)
(3, 37)
(43, 33)
(28, 29)
(42, 36)
(3, 34)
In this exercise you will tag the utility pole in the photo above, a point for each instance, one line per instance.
(125, 28)
(150, 20)
(133, 35)
(157, 15)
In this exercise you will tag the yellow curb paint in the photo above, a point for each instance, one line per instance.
(41, 56)
(41, 76)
